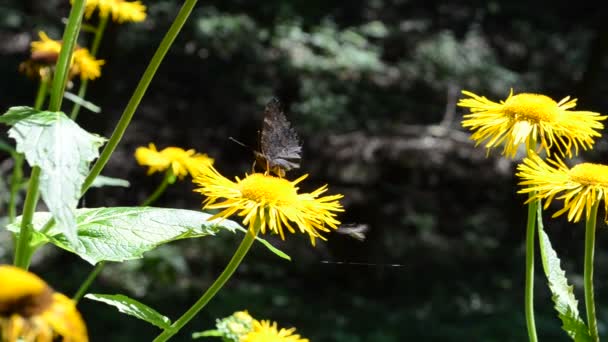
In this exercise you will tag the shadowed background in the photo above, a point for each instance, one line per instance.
(371, 88)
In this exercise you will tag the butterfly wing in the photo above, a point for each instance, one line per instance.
(279, 142)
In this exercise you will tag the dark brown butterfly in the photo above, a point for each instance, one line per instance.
(279, 144)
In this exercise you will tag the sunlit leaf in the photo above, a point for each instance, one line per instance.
(566, 304)
(101, 181)
(63, 151)
(133, 308)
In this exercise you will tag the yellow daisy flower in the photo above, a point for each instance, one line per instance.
(264, 331)
(182, 162)
(122, 11)
(30, 311)
(581, 187)
(44, 54)
(525, 118)
(273, 201)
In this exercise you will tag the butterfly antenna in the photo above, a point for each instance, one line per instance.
(238, 142)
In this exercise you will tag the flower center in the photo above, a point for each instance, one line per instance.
(531, 107)
(268, 189)
(590, 174)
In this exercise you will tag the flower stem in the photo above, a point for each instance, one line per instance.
(529, 290)
(533, 210)
(87, 282)
(23, 252)
(160, 189)
(215, 287)
(139, 92)
(588, 271)
(82, 90)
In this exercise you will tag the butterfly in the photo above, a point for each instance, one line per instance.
(355, 230)
(280, 149)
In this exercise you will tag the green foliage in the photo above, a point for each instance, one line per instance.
(133, 308)
(63, 151)
(102, 181)
(563, 294)
(125, 233)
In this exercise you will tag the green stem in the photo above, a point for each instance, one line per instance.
(82, 90)
(215, 287)
(17, 176)
(23, 251)
(588, 272)
(160, 189)
(529, 290)
(530, 236)
(142, 86)
(87, 282)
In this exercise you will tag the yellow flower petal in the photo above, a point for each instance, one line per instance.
(580, 187)
(121, 10)
(525, 118)
(264, 331)
(182, 162)
(31, 311)
(272, 201)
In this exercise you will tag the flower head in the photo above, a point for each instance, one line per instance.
(272, 201)
(525, 118)
(264, 331)
(182, 162)
(121, 10)
(44, 54)
(581, 187)
(235, 325)
(31, 311)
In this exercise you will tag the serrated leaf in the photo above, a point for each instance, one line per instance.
(566, 304)
(101, 181)
(125, 233)
(63, 151)
(133, 308)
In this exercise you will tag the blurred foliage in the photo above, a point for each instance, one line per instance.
(365, 83)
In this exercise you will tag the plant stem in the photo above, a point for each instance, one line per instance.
(87, 282)
(530, 236)
(23, 252)
(142, 86)
(82, 90)
(160, 189)
(588, 271)
(214, 288)
(529, 291)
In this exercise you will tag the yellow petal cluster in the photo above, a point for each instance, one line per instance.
(44, 54)
(273, 202)
(121, 10)
(182, 162)
(30, 311)
(580, 187)
(265, 331)
(525, 119)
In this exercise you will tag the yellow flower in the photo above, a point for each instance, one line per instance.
(264, 331)
(581, 187)
(525, 118)
(44, 54)
(30, 311)
(121, 10)
(182, 162)
(273, 201)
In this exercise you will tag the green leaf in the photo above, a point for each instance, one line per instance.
(125, 233)
(101, 181)
(566, 304)
(267, 244)
(63, 151)
(82, 102)
(133, 308)
(207, 333)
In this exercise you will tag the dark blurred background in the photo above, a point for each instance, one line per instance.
(371, 88)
